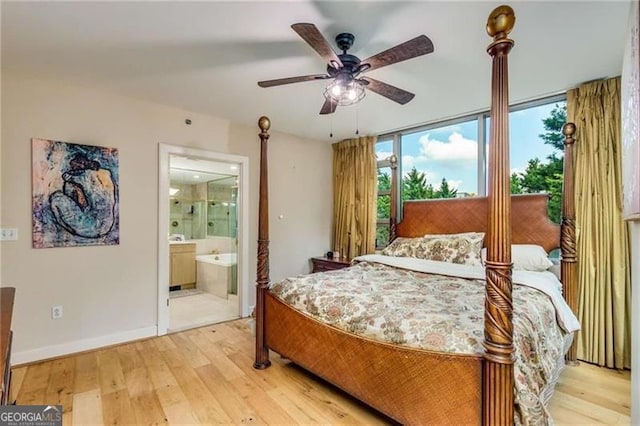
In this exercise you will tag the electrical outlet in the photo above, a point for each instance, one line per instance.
(56, 312)
(8, 234)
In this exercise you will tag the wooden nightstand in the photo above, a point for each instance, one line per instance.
(321, 264)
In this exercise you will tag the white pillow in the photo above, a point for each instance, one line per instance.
(526, 257)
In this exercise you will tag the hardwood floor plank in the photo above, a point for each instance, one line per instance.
(60, 387)
(110, 375)
(180, 414)
(37, 377)
(205, 406)
(259, 400)
(86, 374)
(148, 410)
(87, 408)
(591, 413)
(190, 351)
(129, 357)
(17, 377)
(117, 409)
(235, 406)
(33, 397)
(206, 376)
(138, 382)
(164, 343)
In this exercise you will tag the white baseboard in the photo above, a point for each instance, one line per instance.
(75, 346)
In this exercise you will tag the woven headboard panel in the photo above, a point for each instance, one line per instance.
(529, 225)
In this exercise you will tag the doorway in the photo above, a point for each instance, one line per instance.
(202, 238)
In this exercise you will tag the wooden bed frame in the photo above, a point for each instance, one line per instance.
(415, 386)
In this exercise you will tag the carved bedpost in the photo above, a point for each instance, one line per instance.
(393, 199)
(497, 393)
(568, 263)
(262, 277)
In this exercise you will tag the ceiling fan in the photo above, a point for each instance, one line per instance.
(348, 87)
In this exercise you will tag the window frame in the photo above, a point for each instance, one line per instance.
(480, 117)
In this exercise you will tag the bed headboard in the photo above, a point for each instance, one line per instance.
(530, 224)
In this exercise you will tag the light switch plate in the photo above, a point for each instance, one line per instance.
(8, 234)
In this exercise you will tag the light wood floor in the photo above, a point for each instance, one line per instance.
(205, 376)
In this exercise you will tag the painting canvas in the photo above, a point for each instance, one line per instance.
(631, 120)
(75, 194)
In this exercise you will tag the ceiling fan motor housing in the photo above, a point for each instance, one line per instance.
(344, 41)
(350, 64)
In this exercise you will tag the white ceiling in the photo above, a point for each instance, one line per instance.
(207, 56)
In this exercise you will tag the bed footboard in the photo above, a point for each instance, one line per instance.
(411, 386)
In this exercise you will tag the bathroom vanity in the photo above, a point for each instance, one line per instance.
(182, 264)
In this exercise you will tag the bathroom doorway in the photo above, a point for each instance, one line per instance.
(202, 244)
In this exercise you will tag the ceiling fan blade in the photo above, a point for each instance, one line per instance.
(388, 91)
(329, 106)
(299, 79)
(418, 46)
(315, 39)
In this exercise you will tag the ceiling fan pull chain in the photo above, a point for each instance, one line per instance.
(357, 120)
(331, 134)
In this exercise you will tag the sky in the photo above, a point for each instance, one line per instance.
(451, 152)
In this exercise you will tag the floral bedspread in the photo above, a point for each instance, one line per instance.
(440, 313)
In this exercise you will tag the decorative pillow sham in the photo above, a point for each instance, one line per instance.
(453, 248)
(462, 248)
(404, 247)
(527, 257)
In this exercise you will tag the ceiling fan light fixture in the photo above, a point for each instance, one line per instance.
(345, 94)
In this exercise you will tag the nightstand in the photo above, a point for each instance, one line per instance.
(321, 264)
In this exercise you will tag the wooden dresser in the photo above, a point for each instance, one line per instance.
(7, 295)
(320, 264)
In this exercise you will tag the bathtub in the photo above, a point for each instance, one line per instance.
(222, 259)
(217, 274)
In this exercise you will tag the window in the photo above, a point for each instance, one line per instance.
(384, 150)
(440, 162)
(537, 152)
(449, 159)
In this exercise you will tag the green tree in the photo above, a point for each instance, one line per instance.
(546, 176)
(445, 191)
(553, 126)
(415, 186)
(384, 181)
(516, 184)
(384, 201)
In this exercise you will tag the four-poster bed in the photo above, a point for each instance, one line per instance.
(414, 384)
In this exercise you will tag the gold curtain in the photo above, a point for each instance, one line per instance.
(602, 239)
(354, 196)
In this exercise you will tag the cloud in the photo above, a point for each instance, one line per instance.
(383, 155)
(453, 183)
(457, 149)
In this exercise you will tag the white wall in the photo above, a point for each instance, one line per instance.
(634, 227)
(109, 293)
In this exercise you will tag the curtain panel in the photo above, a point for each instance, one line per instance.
(355, 191)
(602, 237)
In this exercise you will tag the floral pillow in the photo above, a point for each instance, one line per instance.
(404, 247)
(454, 248)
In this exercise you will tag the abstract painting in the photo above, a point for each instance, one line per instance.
(630, 98)
(75, 194)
